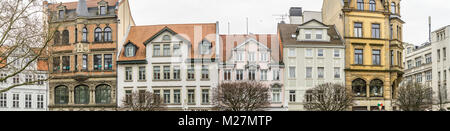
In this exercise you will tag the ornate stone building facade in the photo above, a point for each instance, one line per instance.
(372, 30)
(83, 54)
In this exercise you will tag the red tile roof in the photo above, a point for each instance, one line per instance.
(138, 35)
(89, 3)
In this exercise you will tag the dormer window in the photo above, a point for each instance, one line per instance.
(319, 34)
(166, 38)
(205, 47)
(130, 50)
(103, 10)
(61, 14)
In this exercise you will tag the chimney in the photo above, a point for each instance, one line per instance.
(82, 9)
(269, 41)
(295, 15)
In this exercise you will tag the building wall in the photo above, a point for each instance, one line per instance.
(441, 64)
(412, 72)
(300, 84)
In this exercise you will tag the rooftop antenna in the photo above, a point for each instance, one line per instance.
(247, 25)
(429, 29)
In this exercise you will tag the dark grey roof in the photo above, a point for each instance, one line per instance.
(82, 9)
(295, 11)
(286, 31)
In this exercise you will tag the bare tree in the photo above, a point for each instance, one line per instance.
(144, 101)
(241, 96)
(412, 96)
(328, 97)
(23, 38)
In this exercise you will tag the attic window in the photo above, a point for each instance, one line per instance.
(130, 50)
(205, 47)
(166, 38)
(61, 14)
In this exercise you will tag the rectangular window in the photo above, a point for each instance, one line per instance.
(166, 72)
(85, 61)
(276, 95)
(429, 75)
(320, 72)
(308, 72)
(444, 53)
(40, 101)
(360, 4)
(428, 59)
(375, 30)
(191, 72)
(128, 73)
(251, 56)
(251, 75)
(128, 96)
(156, 50)
(227, 75)
(308, 34)
(28, 78)
(97, 62)
(27, 100)
(108, 62)
(205, 72)
(320, 52)
(392, 57)
(205, 96)
(276, 74)
(156, 73)
(66, 63)
(142, 73)
(176, 50)
(376, 57)
(292, 72)
(191, 96)
(438, 55)
(166, 96)
(176, 72)
(61, 14)
(291, 52)
(176, 96)
(15, 100)
(263, 75)
(239, 75)
(409, 64)
(419, 78)
(166, 51)
(263, 57)
(76, 63)
(357, 32)
(319, 34)
(239, 56)
(292, 96)
(102, 10)
(3, 99)
(142, 98)
(16, 79)
(337, 53)
(358, 56)
(309, 53)
(2, 76)
(337, 72)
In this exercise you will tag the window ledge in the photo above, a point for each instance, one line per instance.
(128, 81)
(142, 80)
(204, 79)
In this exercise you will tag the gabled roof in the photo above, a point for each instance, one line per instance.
(192, 33)
(230, 42)
(287, 30)
(313, 20)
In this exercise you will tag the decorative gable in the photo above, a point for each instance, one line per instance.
(312, 30)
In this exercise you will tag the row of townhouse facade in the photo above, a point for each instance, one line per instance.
(99, 56)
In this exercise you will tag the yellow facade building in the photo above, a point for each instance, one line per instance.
(372, 30)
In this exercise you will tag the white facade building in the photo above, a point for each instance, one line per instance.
(30, 97)
(418, 64)
(313, 54)
(177, 62)
(254, 58)
(441, 64)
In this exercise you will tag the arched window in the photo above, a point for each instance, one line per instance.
(84, 37)
(205, 47)
(372, 5)
(393, 8)
(166, 38)
(103, 94)
(98, 35)
(108, 34)
(81, 94)
(359, 88)
(61, 95)
(376, 88)
(65, 37)
(360, 4)
(57, 38)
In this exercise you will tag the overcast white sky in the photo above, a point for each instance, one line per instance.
(261, 14)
